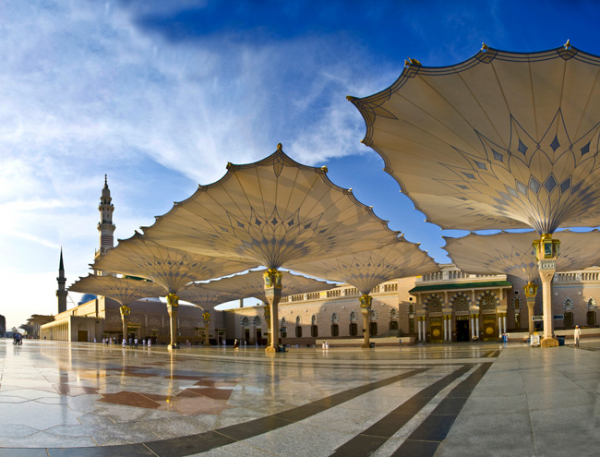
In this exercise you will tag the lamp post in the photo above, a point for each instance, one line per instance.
(547, 251)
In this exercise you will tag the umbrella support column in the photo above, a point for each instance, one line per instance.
(173, 308)
(547, 250)
(273, 292)
(365, 309)
(530, 293)
(268, 319)
(125, 311)
(206, 317)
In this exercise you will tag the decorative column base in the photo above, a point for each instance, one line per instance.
(549, 343)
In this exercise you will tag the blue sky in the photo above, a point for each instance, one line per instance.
(161, 95)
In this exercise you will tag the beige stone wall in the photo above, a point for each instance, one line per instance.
(342, 301)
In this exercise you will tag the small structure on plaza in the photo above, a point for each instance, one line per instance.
(367, 269)
(123, 290)
(503, 140)
(513, 254)
(251, 284)
(170, 268)
(274, 212)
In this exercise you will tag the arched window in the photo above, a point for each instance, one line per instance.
(298, 327)
(353, 325)
(335, 328)
(245, 321)
(373, 328)
(487, 302)
(591, 313)
(568, 304)
(257, 322)
(434, 305)
(591, 303)
(460, 303)
(282, 328)
(393, 319)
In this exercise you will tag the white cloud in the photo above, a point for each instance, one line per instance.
(84, 91)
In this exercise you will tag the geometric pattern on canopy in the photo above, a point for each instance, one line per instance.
(513, 253)
(503, 140)
(171, 268)
(367, 269)
(271, 212)
(123, 290)
(206, 298)
(251, 284)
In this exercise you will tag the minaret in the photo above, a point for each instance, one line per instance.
(105, 226)
(61, 293)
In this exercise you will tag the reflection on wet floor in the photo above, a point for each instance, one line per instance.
(57, 394)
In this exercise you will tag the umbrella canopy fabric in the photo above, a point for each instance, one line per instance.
(251, 284)
(503, 140)
(367, 269)
(123, 290)
(170, 268)
(205, 298)
(272, 212)
(513, 253)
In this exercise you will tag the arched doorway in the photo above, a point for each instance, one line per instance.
(434, 308)
(487, 305)
(460, 303)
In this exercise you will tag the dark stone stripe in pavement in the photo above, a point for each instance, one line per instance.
(203, 442)
(7, 452)
(424, 441)
(377, 434)
(124, 450)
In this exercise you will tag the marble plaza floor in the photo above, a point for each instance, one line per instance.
(84, 399)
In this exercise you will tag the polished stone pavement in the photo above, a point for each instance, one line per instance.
(84, 399)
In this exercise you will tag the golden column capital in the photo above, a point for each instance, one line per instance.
(172, 299)
(272, 278)
(125, 310)
(365, 301)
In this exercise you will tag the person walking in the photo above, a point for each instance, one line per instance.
(136, 343)
(577, 335)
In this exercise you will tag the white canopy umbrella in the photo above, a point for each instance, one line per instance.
(272, 212)
(503, 140)
(123, 290)
(170, 268)
(367, 269)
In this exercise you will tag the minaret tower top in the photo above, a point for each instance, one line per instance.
(106, 226)
(61, 292)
